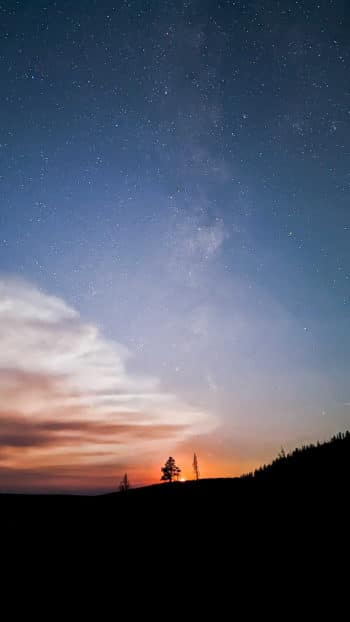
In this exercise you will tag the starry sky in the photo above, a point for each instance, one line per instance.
(174, 236)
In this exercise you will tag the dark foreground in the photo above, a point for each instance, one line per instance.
(279, 538)
(297, 494)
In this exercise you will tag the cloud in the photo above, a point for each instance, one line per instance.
(19, 431)
(67, 398)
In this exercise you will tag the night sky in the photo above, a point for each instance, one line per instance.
(174, 236)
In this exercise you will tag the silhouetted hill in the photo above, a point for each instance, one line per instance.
(311, 482)
(312, 462)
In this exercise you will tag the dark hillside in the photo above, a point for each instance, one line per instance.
(311, 482)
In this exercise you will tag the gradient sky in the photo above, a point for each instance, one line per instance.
(174, 236)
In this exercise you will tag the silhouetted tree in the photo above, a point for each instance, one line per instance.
(282, 453)
(195, 467)
(124, 484)
(170, 470)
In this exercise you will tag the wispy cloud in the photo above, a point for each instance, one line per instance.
(67, 398)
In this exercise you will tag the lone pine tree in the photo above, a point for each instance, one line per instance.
(170, 470)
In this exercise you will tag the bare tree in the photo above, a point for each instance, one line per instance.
(195, 467)
(124, 484)
(170, 470)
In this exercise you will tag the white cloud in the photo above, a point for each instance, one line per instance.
(68, 388)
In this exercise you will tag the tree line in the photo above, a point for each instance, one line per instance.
(314, 460)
